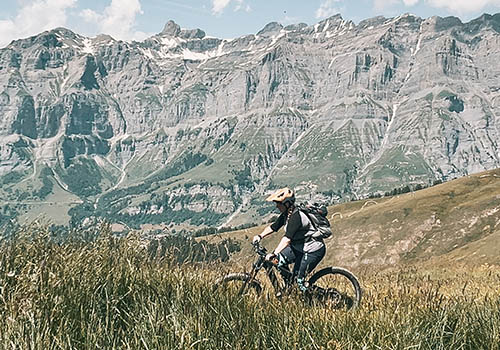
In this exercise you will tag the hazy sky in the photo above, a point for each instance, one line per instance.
(138, 19)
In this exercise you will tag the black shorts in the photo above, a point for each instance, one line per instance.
(303, 262)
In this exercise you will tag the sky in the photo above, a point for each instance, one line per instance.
(225, 19)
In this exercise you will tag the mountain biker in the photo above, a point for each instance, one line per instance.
(297, 245)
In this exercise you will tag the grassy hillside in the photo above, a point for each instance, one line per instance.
(454, 222)
(113, 293)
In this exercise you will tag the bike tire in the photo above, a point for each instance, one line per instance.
(235, 281)
(336, 285)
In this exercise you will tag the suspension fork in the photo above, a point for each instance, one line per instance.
(256, 267)
(272, 277)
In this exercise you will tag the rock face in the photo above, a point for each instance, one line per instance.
(185, 128)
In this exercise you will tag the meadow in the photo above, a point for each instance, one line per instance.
(113, 293)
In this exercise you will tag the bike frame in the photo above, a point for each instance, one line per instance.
(270, 267)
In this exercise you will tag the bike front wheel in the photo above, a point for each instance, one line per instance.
(239, 284)
(336, 288)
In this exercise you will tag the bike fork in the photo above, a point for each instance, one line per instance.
(249, 280)
(274, 281)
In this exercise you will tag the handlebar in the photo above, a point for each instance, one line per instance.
(260, 250)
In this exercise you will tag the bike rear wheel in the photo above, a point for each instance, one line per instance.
(238, 283)
(336, 288)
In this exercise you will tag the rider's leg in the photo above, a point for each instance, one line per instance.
(285, 258)
(308, 262)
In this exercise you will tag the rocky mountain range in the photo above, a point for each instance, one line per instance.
(186, 129)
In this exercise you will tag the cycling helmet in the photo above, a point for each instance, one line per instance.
(283, 195)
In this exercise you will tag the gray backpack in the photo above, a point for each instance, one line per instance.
(317, 214)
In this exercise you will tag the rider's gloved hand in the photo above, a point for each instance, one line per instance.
(270, 256)
(256, 239)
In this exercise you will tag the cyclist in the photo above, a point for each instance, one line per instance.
(297, 245)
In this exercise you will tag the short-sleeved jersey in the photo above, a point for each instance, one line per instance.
(299, 230)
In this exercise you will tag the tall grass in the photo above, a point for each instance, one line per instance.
(111, 294)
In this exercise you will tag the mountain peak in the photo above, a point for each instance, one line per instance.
(63, 32)
(270, 28)
(484, 21)
(334, 18)
(442, 24)
(171, 29)
(192, 33)
(48, 38)
(329, 23)
(297, 26)
(374, 21)
(104, 38)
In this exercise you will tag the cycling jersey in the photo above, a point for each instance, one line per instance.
(299, 230)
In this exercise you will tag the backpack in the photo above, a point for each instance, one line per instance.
(317, 214)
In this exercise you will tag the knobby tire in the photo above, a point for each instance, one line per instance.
(243, 281)
(350, 298)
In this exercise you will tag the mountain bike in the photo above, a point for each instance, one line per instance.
(333, 287)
